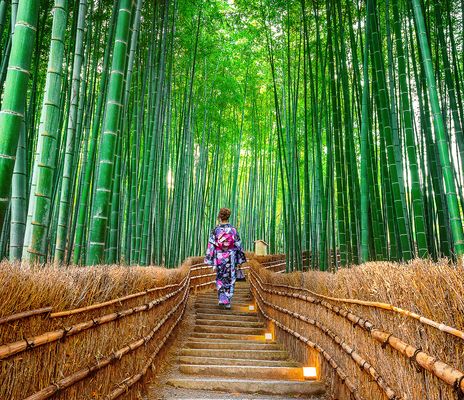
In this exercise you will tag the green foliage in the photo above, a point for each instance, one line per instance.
(142, 118)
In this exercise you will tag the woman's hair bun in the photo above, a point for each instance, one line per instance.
(224, 214)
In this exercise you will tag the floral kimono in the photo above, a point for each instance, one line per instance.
(224, 253)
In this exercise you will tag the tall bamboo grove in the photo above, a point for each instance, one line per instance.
(333, 129)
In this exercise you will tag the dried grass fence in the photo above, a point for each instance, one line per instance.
(378, 331)
(88, 333)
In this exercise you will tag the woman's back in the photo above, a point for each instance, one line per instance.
(224, 253)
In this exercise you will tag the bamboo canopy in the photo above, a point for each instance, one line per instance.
(328, 128)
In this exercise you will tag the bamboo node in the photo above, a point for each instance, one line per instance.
(57, 386)
(413, 360)
(66, 330)
(457, 388)
(29, 343)
(384, 344)
(362, 365)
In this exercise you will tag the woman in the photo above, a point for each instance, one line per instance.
(224, 253)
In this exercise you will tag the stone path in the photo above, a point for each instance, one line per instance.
(226, 356)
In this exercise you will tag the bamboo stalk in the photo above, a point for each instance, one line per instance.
(25, 314)
(67, 313)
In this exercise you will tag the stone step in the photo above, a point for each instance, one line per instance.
(229, 329)
(214, 295)
(236, 323)
(252, 354)
(239, 291)
(210, 296)
(269, 387)
(236, 345)
(186, 394)
(221, 311)
(238, 371)
(214, 303)
(233, 340)
(236, 297)
(222, 316)
(227, 336)
(189, 360)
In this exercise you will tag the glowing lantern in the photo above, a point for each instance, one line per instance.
(310, 372)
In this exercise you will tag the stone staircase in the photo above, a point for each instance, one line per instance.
(227, 352)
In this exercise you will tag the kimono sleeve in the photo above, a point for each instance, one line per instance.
(209, 258)
(240, 255)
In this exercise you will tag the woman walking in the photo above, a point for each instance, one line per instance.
(224, 254)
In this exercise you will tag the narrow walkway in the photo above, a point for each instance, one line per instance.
(227, 356)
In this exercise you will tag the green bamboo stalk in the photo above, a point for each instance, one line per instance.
(365, 146)
(101, 206)
(65, 204)
(45, 162)
(440, 133)
(387, 131)
(14, 96)
(416, 191)
(89, 167)
(18, 199)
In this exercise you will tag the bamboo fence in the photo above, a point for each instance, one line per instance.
(356, 326)
(94, 333)
(380, 331)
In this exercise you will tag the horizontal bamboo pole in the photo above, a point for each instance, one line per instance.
(124, 386)
(25, 314)
(278, 264)
(203, 284)
(103, 362)
(209, 267)
(10, 349)
(199, 267)
(202, 276)
(67, 313)
(342, 375)
(356, 357)
(441, 370)
(389, 307)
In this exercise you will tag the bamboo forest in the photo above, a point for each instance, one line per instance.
(331, 127)
(231, 199)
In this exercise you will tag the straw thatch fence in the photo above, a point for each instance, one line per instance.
(88, 333)
(379, 331)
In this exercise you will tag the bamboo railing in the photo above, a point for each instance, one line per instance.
(382, 364)
(96, 346)
(387, 307)
(69, 353)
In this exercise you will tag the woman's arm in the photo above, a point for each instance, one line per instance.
(210, 256)
(240, 255)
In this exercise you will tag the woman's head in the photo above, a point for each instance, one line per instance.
(224, 214)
